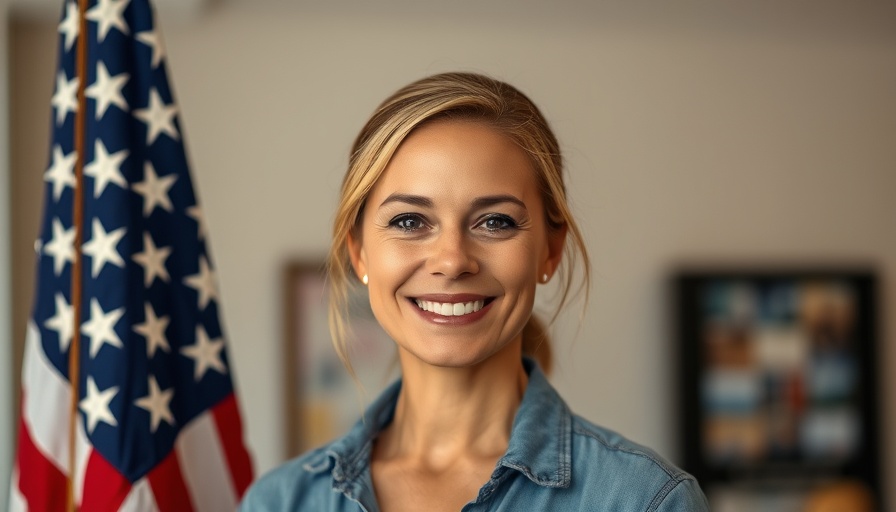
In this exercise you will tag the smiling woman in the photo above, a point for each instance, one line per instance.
(455, 221)
(452, 211)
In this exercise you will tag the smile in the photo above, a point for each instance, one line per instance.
(449, 308)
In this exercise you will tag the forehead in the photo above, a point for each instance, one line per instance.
(458, 160)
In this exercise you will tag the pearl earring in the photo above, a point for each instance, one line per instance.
(544, 278)
(364, 279)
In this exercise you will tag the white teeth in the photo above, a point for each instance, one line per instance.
(450, 309)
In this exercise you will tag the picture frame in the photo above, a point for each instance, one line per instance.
(778, 388)
(323, 401)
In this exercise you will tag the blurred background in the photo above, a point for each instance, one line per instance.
(696, 134)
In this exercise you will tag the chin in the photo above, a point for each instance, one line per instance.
(447, 354)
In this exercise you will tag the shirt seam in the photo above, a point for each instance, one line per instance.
(667, 489)
(564, 453)
(578, 429)
(316, 462)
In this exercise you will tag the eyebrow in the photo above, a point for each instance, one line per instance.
(479, 202)
(421, 201)
(482, 202)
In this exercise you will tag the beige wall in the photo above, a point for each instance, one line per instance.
(716, 136)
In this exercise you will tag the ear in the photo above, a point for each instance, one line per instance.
(356, 253)
(556, 243)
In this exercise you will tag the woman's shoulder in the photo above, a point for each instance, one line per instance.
(599, 452)
(611, 446)
(308, 481)
(301, 481)
(574, 461)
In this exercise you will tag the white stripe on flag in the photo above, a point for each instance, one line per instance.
(203, 465)
(16, 500)
(47, 401)
(140, 499)
(83, 450)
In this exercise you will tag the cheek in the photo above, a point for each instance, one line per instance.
(389, 268)
(516, 267)
(389, 265)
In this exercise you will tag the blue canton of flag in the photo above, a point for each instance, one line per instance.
(156, 409)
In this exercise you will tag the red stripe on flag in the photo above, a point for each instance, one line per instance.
(168, 487)
(41, 483)
(104, 487)
(230, 429)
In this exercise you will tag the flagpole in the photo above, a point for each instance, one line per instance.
(74, 355)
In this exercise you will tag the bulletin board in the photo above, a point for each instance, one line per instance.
(778, 381)
(322, 400)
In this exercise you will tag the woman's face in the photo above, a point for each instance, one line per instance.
(453, 240)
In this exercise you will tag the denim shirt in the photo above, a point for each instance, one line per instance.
(555, 461)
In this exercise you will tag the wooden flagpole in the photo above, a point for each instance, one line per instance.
(74, 354)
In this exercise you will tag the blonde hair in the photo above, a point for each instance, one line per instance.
(455, 96)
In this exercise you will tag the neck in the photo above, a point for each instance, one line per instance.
(444, 414)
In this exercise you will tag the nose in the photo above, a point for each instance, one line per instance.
(452, 255)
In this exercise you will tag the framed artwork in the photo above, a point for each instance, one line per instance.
(778, 383)
(322, 400)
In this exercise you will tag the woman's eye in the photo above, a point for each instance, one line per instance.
(498, 223)
(407, 222)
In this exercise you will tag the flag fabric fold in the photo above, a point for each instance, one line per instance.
(155, 424)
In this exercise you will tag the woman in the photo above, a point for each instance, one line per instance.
(452, 211)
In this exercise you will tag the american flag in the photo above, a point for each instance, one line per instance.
(155, 424)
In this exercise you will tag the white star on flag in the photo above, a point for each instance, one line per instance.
(154, 189)
(158, 116)
(63, 322)
(61, 172)
(96, 405)
(108, 14)
(205, 353)
(156, 402)
(152, 259)
(101, 327)
(65, 98)
(153, 329)
(101, 248)
(106, 90)
(62, 246)
(154, 40)
(204, 283)
(105, 168)
(69, 26)
(196, 213)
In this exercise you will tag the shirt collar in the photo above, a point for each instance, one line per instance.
(540, 439)
(349, 456)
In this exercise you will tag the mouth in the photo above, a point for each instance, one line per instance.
(452, 306)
